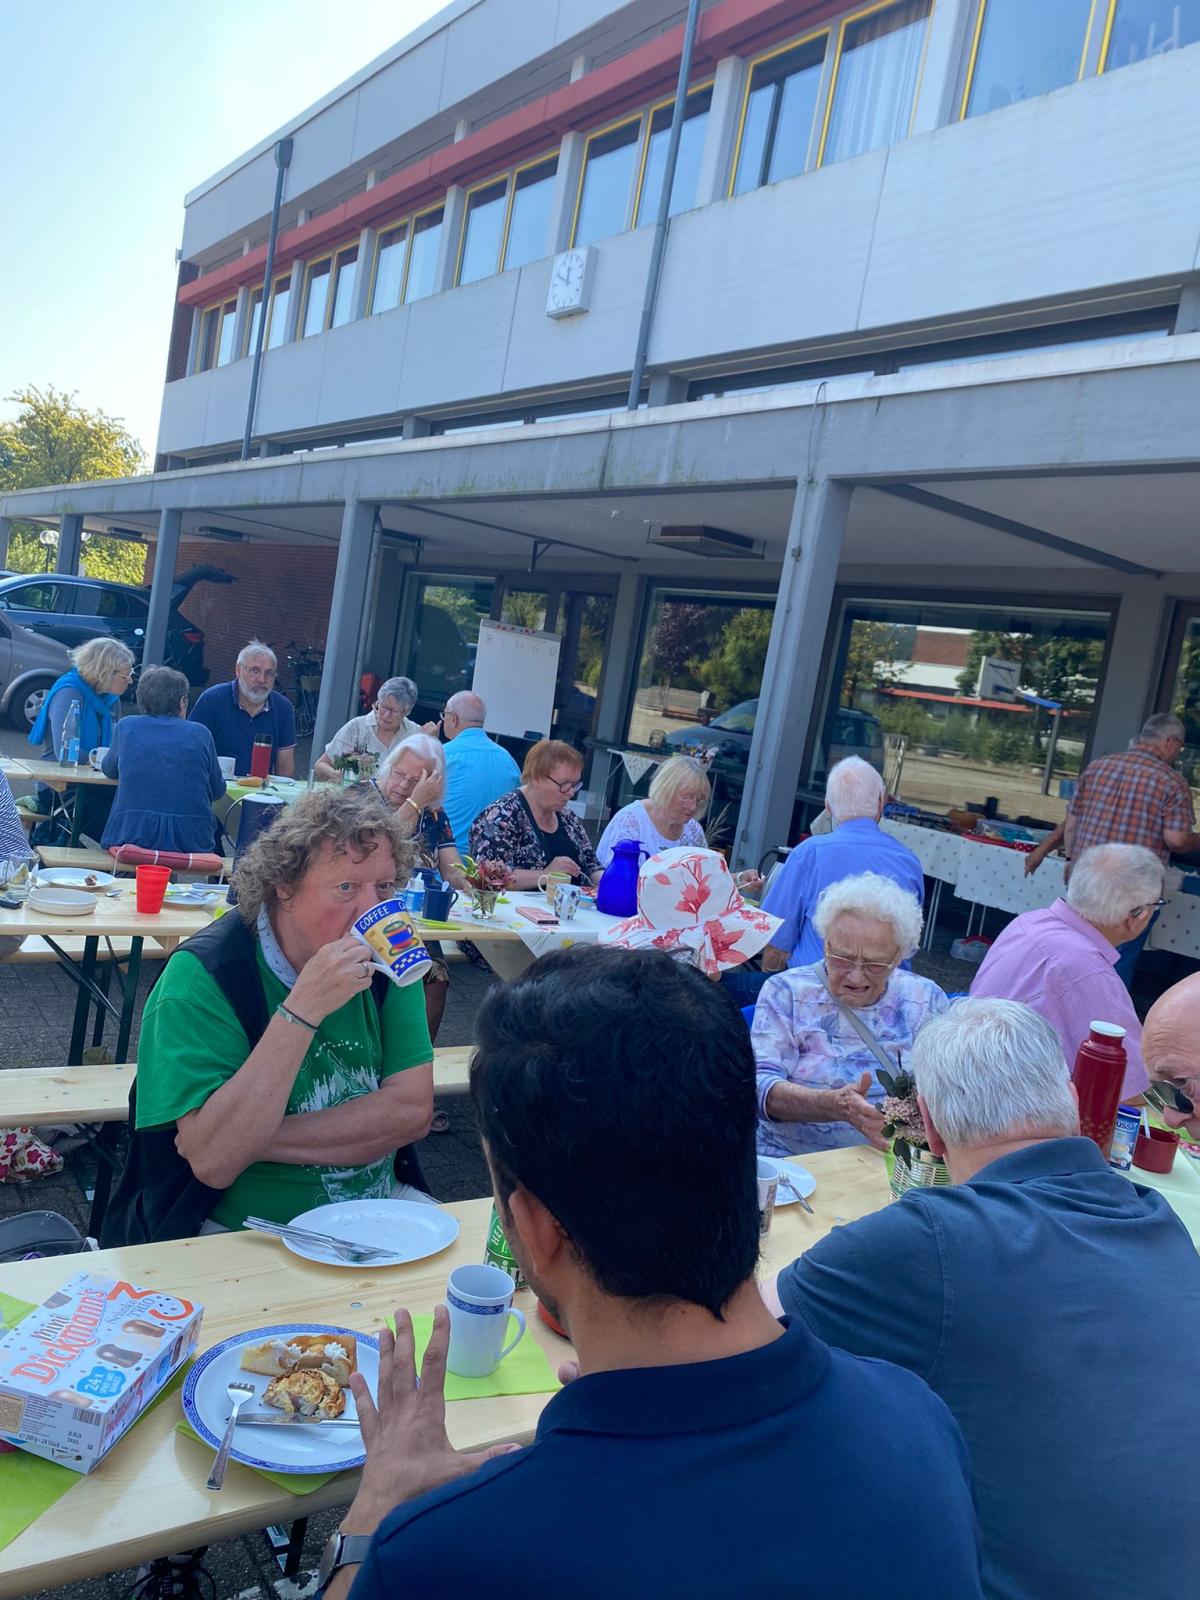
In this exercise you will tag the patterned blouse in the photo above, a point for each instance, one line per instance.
(507, 832)
(800, 1036)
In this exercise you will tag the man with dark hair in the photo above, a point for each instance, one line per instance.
(615, 1092)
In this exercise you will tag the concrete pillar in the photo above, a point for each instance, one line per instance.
(791, 675)
(70, 543)
(1134, 663)
(414, 427)
(347, 606)
(453, 209)
(566, 187)
(5, 536)
(667, 389)
(940, 87)
(242, 318)
(1187, 318)
(292, 321)
(166, 555)
(620, 658)
(580, 67)
(716, 161)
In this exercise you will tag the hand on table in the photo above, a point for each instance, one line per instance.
(565, 864)
(337, 972)
(857, 1110)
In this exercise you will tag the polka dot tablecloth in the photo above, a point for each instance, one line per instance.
(938, 852)
(992, 875)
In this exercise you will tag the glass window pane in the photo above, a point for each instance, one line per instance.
(253, 321)
(316, 296)
(583, 622)
(529, 224)
(525, 608)
(750, 165)
(1145, 28)
(277, 322)
(1185, 696)
(607, 176)
(227, 322)
(422, 265)
(343, 292)
(389, 269)
(687, 168)
(1026, 48)
(780, 113)
(877, 80)
(482, 232)
(206, 344)
(442, 658)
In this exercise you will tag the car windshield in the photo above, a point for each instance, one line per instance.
(738, 719)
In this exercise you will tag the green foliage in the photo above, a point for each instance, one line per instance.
(525, 608)
(1062, 667)
(733, 670)
(55, 440)
(871, 643)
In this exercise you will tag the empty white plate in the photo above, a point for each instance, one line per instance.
(408, 1229)
(62, 902)
(800, 1178)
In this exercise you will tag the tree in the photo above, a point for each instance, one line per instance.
(53, 440)
(1063, 667)
(733, 671)
(870, 650)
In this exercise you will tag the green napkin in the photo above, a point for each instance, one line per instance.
(525, 1370)
(295, 1482)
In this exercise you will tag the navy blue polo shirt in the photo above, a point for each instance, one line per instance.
(1055, 1308)
(234, 730)
(794, 1470)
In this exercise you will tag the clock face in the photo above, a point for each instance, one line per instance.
(567, 279)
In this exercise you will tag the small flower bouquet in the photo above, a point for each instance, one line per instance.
(356, 766)
(915, 1165)
(485, 879)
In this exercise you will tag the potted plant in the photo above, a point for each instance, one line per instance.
(485, 879)
(356, 766)
(913, 1164)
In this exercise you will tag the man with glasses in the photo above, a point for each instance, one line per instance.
(249, 710)
(1061, 961)
(478, 770)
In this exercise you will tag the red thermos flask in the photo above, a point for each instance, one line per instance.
(1098, 1076)
(260, 758)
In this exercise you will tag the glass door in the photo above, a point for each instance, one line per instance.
(583, 623)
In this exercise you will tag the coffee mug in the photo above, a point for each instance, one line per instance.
(768, 1187)
(479, 1299)
(566, 902)
(96, 756)
(551, 881)
(388, 933)
(228, 766)
(438, 904)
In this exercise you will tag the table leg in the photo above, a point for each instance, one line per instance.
(102, 981)
(105, 1146)
(287, 1544)
(76, 818)
(129, 1002)
(83, 1000)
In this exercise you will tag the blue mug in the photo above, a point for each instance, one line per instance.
(438, 904)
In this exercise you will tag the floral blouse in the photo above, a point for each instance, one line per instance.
(800, 1036)
(507, 832)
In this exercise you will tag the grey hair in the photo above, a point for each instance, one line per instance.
(1162, 726)
(468, 708)
(853, 789)
(402, 689)
(97, 659)
(256, 648)
(872, 895)
(676, 773)
(993, 1069)
(159, 691)
(1110, 880)
(427, 749)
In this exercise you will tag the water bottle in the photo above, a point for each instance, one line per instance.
(68, 749)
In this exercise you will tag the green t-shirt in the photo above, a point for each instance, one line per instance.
(191, 1043)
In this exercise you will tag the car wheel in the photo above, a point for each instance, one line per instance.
(26, 703)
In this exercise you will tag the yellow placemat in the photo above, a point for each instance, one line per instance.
(525, 1370)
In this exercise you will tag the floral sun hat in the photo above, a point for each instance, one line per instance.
(688, 903)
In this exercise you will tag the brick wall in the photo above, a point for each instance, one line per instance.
(281, 592)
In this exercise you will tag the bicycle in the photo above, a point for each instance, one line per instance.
(306, 663)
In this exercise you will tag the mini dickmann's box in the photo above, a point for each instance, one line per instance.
(81, 1368)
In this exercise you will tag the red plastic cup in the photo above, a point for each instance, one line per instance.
(151, 886)
(1156, 1153)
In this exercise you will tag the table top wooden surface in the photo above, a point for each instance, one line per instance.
(148, 1497)
(60, 775)
(115, 914)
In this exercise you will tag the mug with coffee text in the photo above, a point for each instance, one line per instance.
(388, 933)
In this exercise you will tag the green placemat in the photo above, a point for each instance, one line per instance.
(525, 1370)
(294, 1482)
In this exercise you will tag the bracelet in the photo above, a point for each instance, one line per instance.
(290, 1016)
(411, 802)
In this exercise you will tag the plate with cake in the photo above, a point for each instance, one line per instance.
(297, 1370)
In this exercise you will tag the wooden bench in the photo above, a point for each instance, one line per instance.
(31, 1095)
(53, 855)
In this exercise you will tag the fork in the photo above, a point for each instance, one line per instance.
(356, 1254)
(238, 1394)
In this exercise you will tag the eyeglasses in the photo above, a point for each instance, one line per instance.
(1150, 905)
(567, 786)
(844, 964)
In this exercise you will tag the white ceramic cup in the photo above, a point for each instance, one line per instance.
(227, 765)
(96, 756)
(768, 1188)
(479, 1299)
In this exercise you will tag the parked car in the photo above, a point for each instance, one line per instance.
(848, 733)
(72, 610)
(29, 664)
(853, 733)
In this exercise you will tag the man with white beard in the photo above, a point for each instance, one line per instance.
(250, 709)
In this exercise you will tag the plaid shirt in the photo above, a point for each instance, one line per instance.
(1130, 798)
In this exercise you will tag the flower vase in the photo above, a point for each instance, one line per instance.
(483, 902)
(925, 1172)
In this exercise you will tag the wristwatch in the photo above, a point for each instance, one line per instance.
(342, 1550)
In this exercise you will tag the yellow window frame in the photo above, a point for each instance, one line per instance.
(270, 313)
(977, 38)
(848, 22)
(1110, 22)
(425, 211)
(507, 179)
(598, 133)
(339, 256)
(649, 114)
(380, 235)
(524, 166)
(310, 270)
(246, 349)
(755, 61)
(215, 310)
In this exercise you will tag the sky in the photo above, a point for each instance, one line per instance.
(112, 114)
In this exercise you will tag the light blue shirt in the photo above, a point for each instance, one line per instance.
(478, 771)
(859, 845)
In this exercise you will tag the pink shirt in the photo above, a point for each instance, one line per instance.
(1061, 967)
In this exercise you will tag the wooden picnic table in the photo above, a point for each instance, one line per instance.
(147, 1498)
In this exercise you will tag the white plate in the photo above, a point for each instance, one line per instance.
(62, 902)
(410, 1228)
(196, 894)
(800, 1178)
(289, 1449)
(75, 878)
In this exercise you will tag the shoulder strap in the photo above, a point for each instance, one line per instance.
(226, 951)
(867, 1037)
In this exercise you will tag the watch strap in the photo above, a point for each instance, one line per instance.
(342, 1550)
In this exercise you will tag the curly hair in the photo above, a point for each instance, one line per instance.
(352, 823)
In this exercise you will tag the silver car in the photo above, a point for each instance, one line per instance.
(29, 664)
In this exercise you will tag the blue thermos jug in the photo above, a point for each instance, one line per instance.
(617, 894)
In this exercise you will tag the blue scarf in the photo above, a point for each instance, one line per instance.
(95, 713)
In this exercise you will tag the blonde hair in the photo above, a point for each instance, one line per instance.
(96, 660)
(679, 772)
(547, 754)
(427, 750)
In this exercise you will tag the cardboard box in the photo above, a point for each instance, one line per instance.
(81, 1368)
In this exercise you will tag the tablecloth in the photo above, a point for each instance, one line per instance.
(584, 928)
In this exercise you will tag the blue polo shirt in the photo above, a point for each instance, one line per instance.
(1055, 1307)
(859, 845)
(234, 730)
(478, 771)
(794, 1471)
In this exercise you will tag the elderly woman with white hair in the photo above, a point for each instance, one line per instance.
(667, 817)
(1061, 960)
(374, 734)
(821, 1032)
(100, 672)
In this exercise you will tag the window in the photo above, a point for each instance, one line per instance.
(529, 215)
(316, 297)
(702, 656)
(214, 347)
(483, 231)
(779, 115)
(252, 322)
(687, 167)
(526, 608)
(609, 164)
(507, 222)
(423, 255)
(277, 316)
(1023, 48)
(875, 79)
(345, 276)
(445, 634)
(1139, 29)
(389, 268)
(226, 324)
(32, 597)
(1180, 690)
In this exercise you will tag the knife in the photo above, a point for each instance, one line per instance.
(259, 1419)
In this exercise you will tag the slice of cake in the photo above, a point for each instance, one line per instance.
(306, 1394)
(333, 1353)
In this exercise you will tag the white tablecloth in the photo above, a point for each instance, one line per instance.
(936, 850)
(991, 875)
(584, 928)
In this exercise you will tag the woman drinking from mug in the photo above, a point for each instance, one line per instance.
(530, 830)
